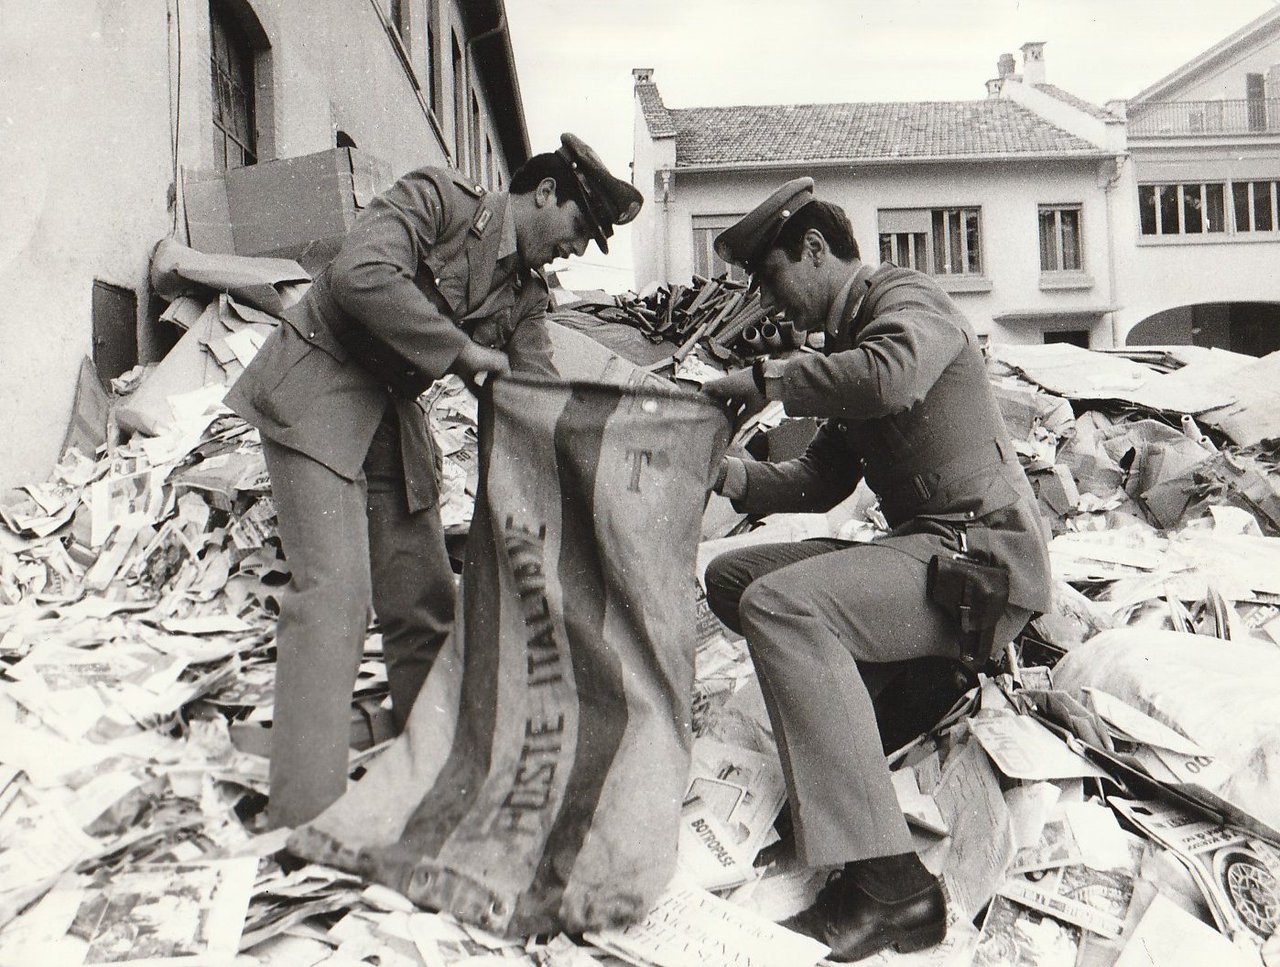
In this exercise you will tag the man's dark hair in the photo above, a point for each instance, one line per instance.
(828, 219)
(547, 165)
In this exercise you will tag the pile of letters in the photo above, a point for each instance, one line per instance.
(1091, 802)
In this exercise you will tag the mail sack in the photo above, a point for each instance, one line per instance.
(538, 784)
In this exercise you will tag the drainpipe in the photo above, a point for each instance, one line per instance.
(1109, 190)
(666, 225)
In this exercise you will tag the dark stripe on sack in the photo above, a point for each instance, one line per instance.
(457, 788)
(597, 670)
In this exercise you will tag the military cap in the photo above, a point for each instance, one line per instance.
(607, 201)
(747, 241)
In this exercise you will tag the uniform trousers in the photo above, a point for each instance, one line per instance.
(348, 543)
(829, 625)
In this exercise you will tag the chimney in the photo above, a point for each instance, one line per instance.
(642, 75)
(1005, 65)
(994, 86)
(1033, 62)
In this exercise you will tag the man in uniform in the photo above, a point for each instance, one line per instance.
(437, 276)
(903, 389)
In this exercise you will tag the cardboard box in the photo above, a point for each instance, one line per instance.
(297, 208)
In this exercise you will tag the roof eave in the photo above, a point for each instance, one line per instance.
(1270, 18)
(488, 25)
(894, 160)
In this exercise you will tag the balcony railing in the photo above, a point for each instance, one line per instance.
(1192, 118)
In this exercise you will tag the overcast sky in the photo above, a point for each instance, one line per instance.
(575, 58)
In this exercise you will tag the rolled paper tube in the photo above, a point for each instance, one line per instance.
(787, 333)
(772, 338)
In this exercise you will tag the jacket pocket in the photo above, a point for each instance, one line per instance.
(292, 379)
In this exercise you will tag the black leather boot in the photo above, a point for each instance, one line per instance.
(888, 901)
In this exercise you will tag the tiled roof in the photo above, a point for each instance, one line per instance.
(1079, 103)
(862, 131)
(656, 116)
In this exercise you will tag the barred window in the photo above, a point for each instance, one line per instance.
(235, 141)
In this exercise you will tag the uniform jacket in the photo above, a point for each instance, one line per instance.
(904, 389)
(423, 270)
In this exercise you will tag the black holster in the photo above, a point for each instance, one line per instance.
(973, 593)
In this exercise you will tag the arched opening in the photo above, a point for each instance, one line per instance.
(1252, 328)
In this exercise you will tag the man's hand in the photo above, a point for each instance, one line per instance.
(476, 359)
(739, 394)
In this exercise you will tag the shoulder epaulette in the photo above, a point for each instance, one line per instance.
(472, 188)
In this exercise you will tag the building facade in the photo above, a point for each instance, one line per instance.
(1202, 237)
(108, 104)
(1047, 217)
(1008, 208)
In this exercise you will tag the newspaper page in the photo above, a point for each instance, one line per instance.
(171, 914)
(707, 853)
(690, 927)
(1239, 876)
(1165, 754)
(1016, 936)
(1096, 900)
(920, 810)
(1024, 749)
(1077, 832)
(744, 790)
(440, 941)
(1167, 936)
(39, 936)
(968, 796)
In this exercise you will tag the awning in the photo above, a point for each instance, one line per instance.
(1058, 312)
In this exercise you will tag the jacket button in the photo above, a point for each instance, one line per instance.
(437, 280)
(972, 514)
(312, 334)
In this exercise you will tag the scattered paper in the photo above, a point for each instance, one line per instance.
(1168, 936)
(1024, 749)
(689, 927)
(981, 842)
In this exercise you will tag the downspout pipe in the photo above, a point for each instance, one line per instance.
(666, 225)
(1109, 190)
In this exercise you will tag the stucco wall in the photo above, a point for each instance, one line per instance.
(90, 167)
(1163, 272)
(1226, 80)
(1008, 194)
(84, 196)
